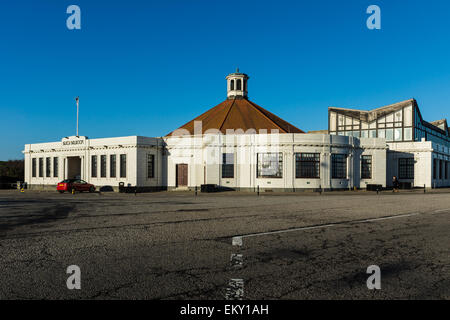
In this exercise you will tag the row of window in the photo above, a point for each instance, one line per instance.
(423, 131)
(39, 170)
(395, 126)
(112, 166)
(397, 134)
(443, 169)
(238, 84)
(406, 168)
(37, 166)
(307, 165)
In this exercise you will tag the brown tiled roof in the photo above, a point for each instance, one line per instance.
(240, 114)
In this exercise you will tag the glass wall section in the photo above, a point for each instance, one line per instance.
(394, 126)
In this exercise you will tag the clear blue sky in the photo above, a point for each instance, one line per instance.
(147, 67)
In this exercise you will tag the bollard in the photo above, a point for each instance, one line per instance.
(424, 190)
(195, 190)
(135, 190)
(320, 189)
(257, 190)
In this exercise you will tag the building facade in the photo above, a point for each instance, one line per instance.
(134, 161)
(418, 151)
(239, 145)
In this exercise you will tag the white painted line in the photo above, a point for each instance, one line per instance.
(441, 210)
(330, 225)
(236, 261)
(236, 241)
(235, 289)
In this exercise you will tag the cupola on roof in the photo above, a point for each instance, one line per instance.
(238, 113)
(237, 85)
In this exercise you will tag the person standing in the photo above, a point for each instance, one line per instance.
(395, 184)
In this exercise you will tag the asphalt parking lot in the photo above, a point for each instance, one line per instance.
(173, 245)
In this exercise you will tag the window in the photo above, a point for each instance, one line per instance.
(389, 135)
(232, 85)
(408, 116)
(94, 166)
(103, 166)
(55, 167)
(150, 166)
(332, 121)
(434, 169)
(227, 165)
(339, 166)
(307, 165)
(406, 168)
(123, 165)
(238, 84)
(33, 167)
(47, 167)
(270, 165)
(446, 169)
(398, 134)
(408, 134)
(441, 169)
(366, 167)
(41, 167)
(112, 166)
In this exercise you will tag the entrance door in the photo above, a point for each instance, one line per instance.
(182, 175)
(73, 167)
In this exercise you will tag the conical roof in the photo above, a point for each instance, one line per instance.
(239, 114)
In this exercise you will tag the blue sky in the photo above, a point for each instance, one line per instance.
(147, 67)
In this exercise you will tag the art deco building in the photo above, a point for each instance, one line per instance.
(418, 151)
(240, 145)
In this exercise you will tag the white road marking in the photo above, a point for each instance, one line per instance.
(235, 289)
(236, 241)
(239, 239)
(236, 261)
(441, 210)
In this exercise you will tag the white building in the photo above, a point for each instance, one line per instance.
(102, 162)
(419, 151)
(240, 145)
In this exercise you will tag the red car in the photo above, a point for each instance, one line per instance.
(74, 184)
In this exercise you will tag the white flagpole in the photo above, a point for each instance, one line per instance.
(77, 100)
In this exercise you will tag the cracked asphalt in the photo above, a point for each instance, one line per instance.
(171, 245)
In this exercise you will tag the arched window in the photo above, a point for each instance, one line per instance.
(232, 85)
(238, 84)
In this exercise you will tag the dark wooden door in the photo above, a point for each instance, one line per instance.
(182, 175)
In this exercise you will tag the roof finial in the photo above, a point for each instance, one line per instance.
(237, 70)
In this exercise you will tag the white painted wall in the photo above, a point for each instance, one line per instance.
(131, 146)
(203, 155)
(206, 152)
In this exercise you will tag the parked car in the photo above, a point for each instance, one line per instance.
(74, 184)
